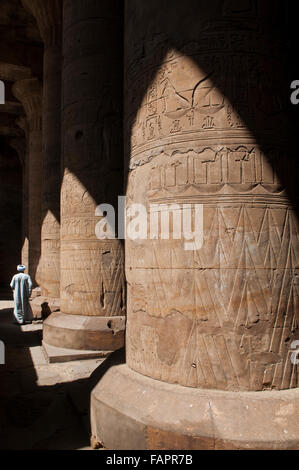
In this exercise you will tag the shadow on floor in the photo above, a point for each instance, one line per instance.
(43, 406)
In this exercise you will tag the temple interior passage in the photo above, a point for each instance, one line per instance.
(149, 235)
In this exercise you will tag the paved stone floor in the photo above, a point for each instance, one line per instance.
(42, 406)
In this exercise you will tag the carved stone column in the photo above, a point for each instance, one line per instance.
(48, 14)
(29, 93)
(92, 275)
(205, 126)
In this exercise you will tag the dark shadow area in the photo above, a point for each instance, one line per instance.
(45, 310)
(34, 416)
(11, 214)
(116, 358)
(21, 53)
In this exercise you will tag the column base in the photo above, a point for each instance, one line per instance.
(131, 411)
(42, 307)
(84, 333)
(56, 355)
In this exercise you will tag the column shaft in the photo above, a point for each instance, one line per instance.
(92, 276)
(21, 147)
(29, 92)
(48, 14)
(211, 314)
(205, 131)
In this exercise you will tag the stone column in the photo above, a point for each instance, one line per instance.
(21, 147)
(48, 14)
(92, 276)
(205, 126)
(29, 93)
(11, 212)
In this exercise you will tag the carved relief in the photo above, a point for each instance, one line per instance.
(202, 101)
(231, 305)
(217, 168)
(235, 286)
(74, 196)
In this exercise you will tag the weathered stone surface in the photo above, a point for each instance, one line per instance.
(49, 19)
(84, 332)
(202, 128)
(56, 355)
(92, 270)
(210, 330)
(131, 411)
(205, 124)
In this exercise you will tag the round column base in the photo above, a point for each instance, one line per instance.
(131, 411)
(82, 332)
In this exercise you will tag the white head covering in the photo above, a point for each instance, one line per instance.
(21, 268)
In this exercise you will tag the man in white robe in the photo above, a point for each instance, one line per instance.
(22, 286)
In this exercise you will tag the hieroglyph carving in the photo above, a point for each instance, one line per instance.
(205, 131)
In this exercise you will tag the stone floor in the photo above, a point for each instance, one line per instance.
(42, 405)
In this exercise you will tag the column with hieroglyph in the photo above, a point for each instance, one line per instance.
(209, 331)
(48, 14)
(92, 270)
